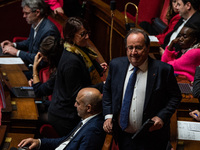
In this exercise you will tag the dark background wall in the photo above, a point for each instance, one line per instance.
(13, 24)
(12, 21)
(120, 4)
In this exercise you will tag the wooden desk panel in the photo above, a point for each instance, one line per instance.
(187, 102)
(190, 145)
(14, 75)
(2, 133)
(24, 118)
(26, 109)
(17, 137)
(20, 67)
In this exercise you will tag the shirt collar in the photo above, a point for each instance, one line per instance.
(37, 26)
(185, 20)
(88, 118)
(142, 67)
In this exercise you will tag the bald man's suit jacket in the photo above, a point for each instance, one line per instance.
(162, 95)
(90, 137)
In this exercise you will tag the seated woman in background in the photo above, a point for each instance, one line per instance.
(172, 18)
(50, 51)
(183, 53)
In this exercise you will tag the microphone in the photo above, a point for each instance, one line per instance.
(112, 8)
(128, 26)
(112, 5)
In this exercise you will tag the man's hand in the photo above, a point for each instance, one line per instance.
(34, 143)
(58, 10)
(108, 125)
(104, 65)
(158, 124)
(195, 114)
(6, 42)
(10, 50)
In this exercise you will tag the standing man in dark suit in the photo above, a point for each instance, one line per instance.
(188, 10)
(155, 96)
(35, 12)
(88, 136)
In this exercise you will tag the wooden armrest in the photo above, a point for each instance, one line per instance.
(107, 142)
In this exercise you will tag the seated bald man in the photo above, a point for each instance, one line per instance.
(88, 135)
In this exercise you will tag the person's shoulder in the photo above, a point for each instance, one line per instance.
(48, 24)
(197, 13)
(159, 63)
(195, 52)
(176, 17)
(69, 59)
(119, 60)
(194, 18)
(96, 123)
(69, 56)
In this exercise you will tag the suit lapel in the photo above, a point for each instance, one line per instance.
(39, 31)
(178, 24)
(84, 127)
(122, 76)
(152, 74)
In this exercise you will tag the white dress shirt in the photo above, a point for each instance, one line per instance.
(137, 104)
(64, 144)
(35, 32)
(175, 33)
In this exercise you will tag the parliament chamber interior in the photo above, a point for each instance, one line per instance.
(19, 116)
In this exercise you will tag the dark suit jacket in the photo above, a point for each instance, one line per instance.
(31, 45)
(196, 83)
(72, 75)
(194, 19)
(90, 137)
(162, 94)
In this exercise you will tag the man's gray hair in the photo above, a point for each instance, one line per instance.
(136, 31)
(36, 4)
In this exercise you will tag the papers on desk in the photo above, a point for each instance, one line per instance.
(153, 38)
(188, 130)
(11, 60)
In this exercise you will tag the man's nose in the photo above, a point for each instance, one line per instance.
(134, 51)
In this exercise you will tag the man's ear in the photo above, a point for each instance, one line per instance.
(89, 108)
(37, 12)
(188, 6)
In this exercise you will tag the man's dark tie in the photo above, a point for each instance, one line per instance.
(124, 114)
(63, 145)
(77, 127)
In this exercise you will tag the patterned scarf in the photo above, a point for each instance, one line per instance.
(87, 58)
